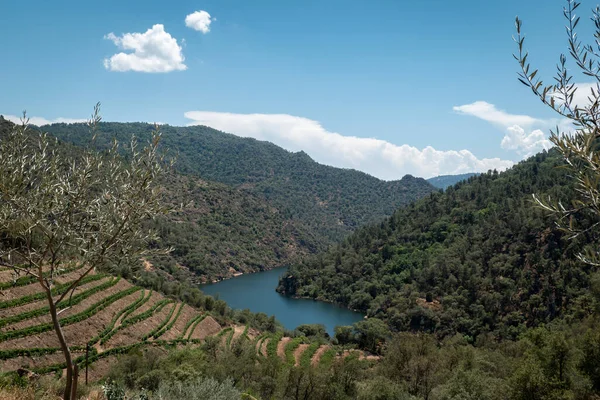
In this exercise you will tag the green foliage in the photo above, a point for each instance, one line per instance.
(229, 339)
(291, 347)
(306, 357)
(327, 357)
(481, 251)
(272, 345)
(267, 206)
(199, 389)
(31, 352)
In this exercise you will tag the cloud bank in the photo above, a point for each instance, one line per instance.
(40, 121)
(152, 51)
(377, 157)
(520, 135)
(199, 21)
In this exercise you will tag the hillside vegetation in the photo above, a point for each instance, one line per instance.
(330, 202)
(105, 312)
(479, 258)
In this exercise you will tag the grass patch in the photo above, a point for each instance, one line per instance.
(291, 347)
(306, 357)
(327, 357)
(272, 345)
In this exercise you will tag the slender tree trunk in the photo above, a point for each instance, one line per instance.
(75, 379)
(63, 345)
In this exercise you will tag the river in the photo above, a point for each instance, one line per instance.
(257, 293)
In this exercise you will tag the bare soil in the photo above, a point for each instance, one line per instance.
(263, 349)
(207, 327)
(8, 312)
(77, 334)
(135, 333)
(177, 330)
(281, 347)
(20, 291)
(93, 299)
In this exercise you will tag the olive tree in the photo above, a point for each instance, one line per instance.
(578, 141)
(73, 208)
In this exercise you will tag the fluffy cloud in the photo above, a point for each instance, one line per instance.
(199, 21)
(377, 157)
(153, 51)
(488, 112)
(526, 144)
(40, 121)
(520, 135)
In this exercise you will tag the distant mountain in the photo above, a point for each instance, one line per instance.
(443, 181)
(478, 258)
(268, 204)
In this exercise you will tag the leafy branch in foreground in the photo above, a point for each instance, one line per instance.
(579, 147)
(74, 210)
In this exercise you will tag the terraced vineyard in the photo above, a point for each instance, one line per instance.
(300, 351)
(107, 313)
(112, 316)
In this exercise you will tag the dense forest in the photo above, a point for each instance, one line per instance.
(242, 216)
(331, 202)
(480, 258)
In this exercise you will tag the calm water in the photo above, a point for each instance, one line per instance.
(257, 293)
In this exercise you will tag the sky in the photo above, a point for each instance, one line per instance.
(394, 87)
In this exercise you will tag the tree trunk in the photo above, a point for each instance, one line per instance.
(74, 384)
(63, 345)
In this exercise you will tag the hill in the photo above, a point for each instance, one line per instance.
(329, 202)
(106, 312)
(219, 230)
(478, 258)
(443, 181)
(114, 317)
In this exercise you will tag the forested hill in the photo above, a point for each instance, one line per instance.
(217, 231)
(443, 181)
(478, 258)
(330, 202)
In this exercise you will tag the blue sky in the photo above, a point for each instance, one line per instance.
(362, 84)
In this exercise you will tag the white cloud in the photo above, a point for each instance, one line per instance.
(199, 21)
(489, 112)
(526, 144)
(377, 157)
(153, 51)
(40, 121)
(523, 134)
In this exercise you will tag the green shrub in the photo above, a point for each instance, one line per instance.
(199, 389)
